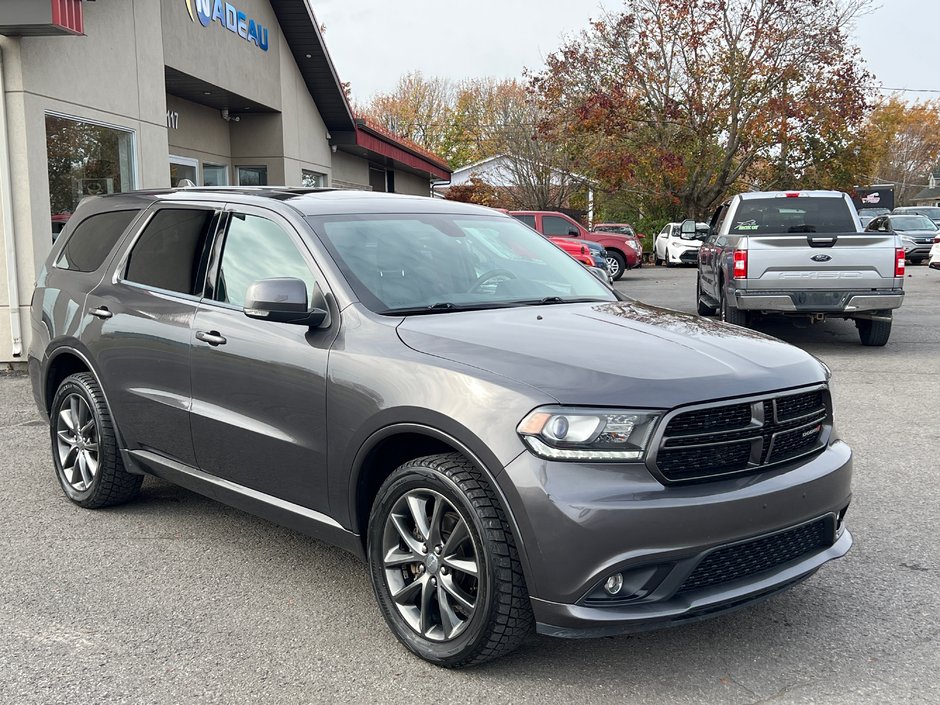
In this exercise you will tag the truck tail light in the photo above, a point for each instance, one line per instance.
(899, 262)
(740, 265)
(793, 194)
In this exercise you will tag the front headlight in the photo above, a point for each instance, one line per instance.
(908, 240)
(588, 434)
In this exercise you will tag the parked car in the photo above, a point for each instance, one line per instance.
(865, 219)
(406, 378)
(933, 259)
(624, 229)
(916, 231)
(932, 212)
(799, 254)
(674, 247)
(623, 252)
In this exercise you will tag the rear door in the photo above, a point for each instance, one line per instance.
(809, 242)
(140, 327)
(259, 387)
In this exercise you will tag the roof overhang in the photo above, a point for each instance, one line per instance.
(305, 41)
(387, 149)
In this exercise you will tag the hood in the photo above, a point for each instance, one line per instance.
(614, 354)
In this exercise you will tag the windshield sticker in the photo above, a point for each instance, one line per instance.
(746, 225)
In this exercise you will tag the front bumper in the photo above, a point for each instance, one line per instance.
(819, 301)
(582, 523)
(917, 251)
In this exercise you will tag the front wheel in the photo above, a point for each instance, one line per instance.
(84, 446)
(616, 265)
(873, 333)
(444, 565)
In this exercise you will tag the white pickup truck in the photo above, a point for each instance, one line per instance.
(799, 253)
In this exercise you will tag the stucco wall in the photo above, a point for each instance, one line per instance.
(201, 132)
(411, 184)
(221, 57)
(349, 168)
(113, 68)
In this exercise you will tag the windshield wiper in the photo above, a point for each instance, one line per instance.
(440, 307)
(556, 300)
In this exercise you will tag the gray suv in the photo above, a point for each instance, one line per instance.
(396, 375)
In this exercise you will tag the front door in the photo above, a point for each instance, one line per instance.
(259, 387)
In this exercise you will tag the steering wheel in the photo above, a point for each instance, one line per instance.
(486, 276)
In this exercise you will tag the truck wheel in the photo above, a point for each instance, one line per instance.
(444, 564)
(616, 264)
(84, 447)
(731, 314)
(873, 333)
(703, 308)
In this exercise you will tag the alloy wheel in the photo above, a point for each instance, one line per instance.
(613, 266)
(431, 565)
(77, 442)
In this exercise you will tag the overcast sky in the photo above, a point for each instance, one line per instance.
(374, 42)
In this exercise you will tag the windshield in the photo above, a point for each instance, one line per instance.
(912, 222)
(418, 263)
(798, 216)
(700, 230)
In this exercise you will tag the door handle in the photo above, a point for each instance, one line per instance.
(212, 337)
(101, 312)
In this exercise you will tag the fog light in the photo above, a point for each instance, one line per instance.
(614, 583)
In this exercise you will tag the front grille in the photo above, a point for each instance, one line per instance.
(732, 438)
(741, 560)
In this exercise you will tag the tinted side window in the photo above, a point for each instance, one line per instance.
(169, 252)
(92, 241)
(553, 225)
(257, 248)
(527, 219)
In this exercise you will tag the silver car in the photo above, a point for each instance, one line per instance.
(917, 233)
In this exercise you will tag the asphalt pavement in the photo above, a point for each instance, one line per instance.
(177, 599)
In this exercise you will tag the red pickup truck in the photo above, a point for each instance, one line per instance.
(623, 251)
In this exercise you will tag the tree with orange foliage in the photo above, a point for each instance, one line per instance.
(678, 100)
(902, 142)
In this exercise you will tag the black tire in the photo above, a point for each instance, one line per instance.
(107, 482)
(656, 260)
(731, 314)
(501, 615)
(616, 260)
(703, 308)
(873, 333)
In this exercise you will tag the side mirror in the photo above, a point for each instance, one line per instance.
(687, 227)
(602, 274)
(573, 232)
(282, 300)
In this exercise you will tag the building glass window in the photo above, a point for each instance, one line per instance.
(312, 179)
(214, 175)
(252, 175)
(184, 171)
(85, 159)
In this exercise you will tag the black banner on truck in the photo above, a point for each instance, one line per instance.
(874, 197)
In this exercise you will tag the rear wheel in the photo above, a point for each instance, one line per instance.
(84, 446)
(444, 565)
(732, 314)
(616, 264)
(873, 333)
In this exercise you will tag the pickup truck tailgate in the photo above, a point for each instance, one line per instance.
(844, 261)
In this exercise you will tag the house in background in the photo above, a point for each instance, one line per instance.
(524, 184)
(930, 196)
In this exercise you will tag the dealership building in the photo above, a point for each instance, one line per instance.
(112, 95)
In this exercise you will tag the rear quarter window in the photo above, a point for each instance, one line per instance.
(93, 239)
